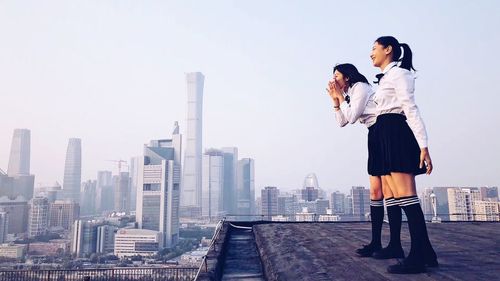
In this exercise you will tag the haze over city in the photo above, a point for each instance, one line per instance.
(113, 74)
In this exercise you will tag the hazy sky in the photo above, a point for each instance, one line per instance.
(112, 73)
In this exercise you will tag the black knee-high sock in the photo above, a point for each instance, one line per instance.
(420, 245)
(377, 218)
(394, 215)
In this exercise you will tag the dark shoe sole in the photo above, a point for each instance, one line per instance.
(433, 263)
(387, 257)
(385, 254)
(401, 269)
(367, 252)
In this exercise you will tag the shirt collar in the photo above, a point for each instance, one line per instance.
(389, 66)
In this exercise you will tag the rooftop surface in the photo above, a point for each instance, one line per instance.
(325, 251)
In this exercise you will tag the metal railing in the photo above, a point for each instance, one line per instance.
(213, 244)
(114, 274)
(314, 217)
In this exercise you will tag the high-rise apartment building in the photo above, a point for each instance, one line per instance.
(461, 203)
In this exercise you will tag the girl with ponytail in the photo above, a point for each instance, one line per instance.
(404, 149)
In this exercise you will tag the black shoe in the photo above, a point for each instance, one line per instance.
(431, 258)
(368, 250)
(389, 253)
(404, 267)
(432, 262)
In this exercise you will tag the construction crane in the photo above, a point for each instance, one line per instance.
(119, 162)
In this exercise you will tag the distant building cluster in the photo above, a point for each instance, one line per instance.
(462, 203)
(311, 203)
(173, 179)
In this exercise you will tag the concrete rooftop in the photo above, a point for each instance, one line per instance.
(325, 251)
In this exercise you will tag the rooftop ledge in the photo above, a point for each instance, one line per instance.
(325, 251)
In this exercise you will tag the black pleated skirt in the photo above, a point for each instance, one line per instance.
(396, 146)
(375, 156)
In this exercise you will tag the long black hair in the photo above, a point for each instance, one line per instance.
(406, 59)
(351, 72)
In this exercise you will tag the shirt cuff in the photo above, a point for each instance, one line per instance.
(422, 143)
(344, 105)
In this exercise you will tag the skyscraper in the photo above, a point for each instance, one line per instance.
(17, 211)
(287, 204)
(310, 190)
(246, 186)
(19, 161)
(134, 172)
(73, 170)
(191, 183)
(158, 188)
(84, 237)
(4, 225)
(38, 216)
(230, 188)
(105, 194)
(443, 210)
(105, 238)
(122, 192)
(269, 201)
(338, 202)
(88, 201)
(62, 213)
(19, 180)
(212, 184)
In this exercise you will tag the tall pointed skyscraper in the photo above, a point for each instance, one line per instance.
(19, 161)
(191, 183)
(21, 182)
(73, 170)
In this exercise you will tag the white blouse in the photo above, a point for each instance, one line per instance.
(361, 106)
(395, 95)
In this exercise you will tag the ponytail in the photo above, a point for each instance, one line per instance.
(405, 59)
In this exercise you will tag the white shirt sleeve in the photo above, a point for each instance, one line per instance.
(341, 120)
(405, 87)
(359, 97)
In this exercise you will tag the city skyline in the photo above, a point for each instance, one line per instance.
(264, 91)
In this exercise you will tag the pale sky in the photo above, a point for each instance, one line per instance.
(112, 73)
